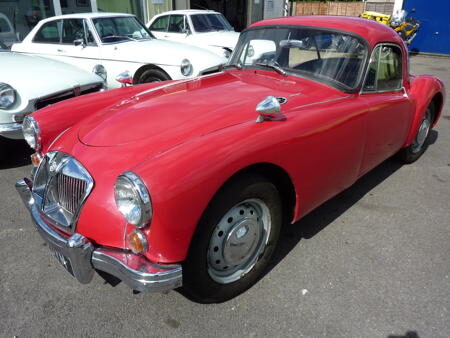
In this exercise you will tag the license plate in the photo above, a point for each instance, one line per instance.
(64, 261)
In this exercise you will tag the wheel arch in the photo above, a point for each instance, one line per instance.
(143, 68)
(278, 176)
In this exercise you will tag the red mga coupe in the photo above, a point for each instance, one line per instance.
(186, 184)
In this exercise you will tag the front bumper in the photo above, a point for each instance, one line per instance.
(79, 256)
(11, 130)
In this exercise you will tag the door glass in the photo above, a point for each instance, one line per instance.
(385, 70)
(176, 24)
(160, 24)
(49, 33)
(73, 29)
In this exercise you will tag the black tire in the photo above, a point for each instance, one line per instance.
(152, 75)
(412, 153)
(198, 283)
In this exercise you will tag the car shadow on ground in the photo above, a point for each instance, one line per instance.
(15, 153)
(320, 218)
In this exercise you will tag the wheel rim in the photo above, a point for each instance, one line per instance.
(238, 241)
(422, 133)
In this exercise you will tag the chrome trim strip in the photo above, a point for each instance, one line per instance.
(9, 128)
(84, 258)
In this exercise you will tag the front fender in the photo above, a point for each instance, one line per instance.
(423, 90)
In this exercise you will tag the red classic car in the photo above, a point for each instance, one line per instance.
(186, 184)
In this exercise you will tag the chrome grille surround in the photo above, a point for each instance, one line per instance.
(60, 188)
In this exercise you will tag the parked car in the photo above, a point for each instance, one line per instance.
(179, 185)
(7, 33)
(28, 83)
(202, 28)
(120, 44)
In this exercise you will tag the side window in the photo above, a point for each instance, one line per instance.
(385, 69)
(49, 32)
(73, 29)
(176, 24)
(89, 34)
(160, 24)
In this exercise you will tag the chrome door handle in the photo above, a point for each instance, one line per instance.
(60, 50)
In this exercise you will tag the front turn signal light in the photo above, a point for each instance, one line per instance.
(137, 242)
(36, 159)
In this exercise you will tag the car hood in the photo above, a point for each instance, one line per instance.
(160, 52)
(35, 77)
(166, 116)
(221, 39)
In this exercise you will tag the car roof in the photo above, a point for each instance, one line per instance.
(85, 16)
(189, 11)
(372, 31)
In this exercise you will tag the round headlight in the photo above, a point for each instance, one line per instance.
(133, 199)
(7, 95)
(100, 71)
(31, 132)
(186, 67)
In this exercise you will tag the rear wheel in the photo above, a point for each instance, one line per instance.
(152, 75)
(412, 153)
(234, 241)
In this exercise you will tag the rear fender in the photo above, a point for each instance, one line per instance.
(423, 90)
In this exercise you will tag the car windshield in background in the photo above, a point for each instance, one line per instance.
(331, 57)
(210, 23)
(119, 29)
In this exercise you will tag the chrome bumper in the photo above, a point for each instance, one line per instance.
(11, 130)
(78, 255)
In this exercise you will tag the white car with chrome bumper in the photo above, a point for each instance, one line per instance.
(202, 28)
(28, 83)
(114, 44)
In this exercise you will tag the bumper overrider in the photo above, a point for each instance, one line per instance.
(80, 257)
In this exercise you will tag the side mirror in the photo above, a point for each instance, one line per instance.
(79, 42)
(269, 109)
(125, 78)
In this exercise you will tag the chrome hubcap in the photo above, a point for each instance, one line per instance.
(238, 241)
(422, 134)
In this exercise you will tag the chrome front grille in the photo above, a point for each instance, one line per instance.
(60, 187)
(70, 192)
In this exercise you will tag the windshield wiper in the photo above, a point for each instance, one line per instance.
(119, 37)
(274, 66)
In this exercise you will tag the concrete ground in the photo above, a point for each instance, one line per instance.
(372, 262)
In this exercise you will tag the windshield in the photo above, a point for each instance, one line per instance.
(332, 57)
(118, 29)
(210, 23)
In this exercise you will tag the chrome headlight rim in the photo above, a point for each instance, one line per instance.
(31, 132)
(186, 67)
(8, 96)
(100, 71)
(136, 186)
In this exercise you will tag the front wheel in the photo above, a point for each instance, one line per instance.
(234, 241)
(412, 153)
(152, 75)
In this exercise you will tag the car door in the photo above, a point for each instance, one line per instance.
(159, 26)
(388, 105)
(46, 41)
(78, 45)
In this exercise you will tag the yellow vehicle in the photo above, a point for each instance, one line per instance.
(406, 27)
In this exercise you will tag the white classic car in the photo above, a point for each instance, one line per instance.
(28, 83)
(202, 28)
(123, 47)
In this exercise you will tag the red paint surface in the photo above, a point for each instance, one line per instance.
(186, 140)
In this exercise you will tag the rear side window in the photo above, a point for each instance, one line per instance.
(160, 24)
(385, 69)
(49, 32)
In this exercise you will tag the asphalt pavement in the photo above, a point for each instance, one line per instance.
(372, 262)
